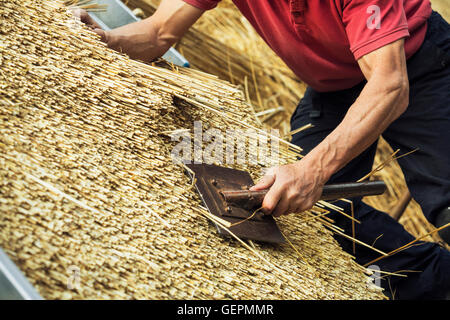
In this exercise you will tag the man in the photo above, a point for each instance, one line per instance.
(373, 67)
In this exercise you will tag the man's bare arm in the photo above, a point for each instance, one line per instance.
(152, 37)
(384, 98)
(296, 187)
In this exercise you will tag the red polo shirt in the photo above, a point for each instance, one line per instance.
(321, 40)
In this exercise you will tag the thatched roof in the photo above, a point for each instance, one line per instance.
(87, 182)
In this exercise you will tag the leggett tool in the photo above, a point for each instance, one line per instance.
(225, 193)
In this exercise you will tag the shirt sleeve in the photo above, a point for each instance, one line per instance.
(371, 25)
(203, 4)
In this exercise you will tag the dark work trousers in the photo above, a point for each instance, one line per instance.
(424, 125)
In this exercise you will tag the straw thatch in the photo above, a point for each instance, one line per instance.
(88, 186)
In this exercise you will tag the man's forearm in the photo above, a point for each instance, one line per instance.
(140, 40)
(379, 104)
(151, 38)
(297, 186)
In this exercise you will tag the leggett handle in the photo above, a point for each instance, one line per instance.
(251, 199)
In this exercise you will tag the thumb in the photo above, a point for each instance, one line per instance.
(102, 34)
(265, 183)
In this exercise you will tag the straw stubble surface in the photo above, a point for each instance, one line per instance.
(87, 182)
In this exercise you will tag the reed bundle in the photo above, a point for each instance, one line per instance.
(87, 181)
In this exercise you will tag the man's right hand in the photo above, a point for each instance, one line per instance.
(150, 38)
(84, 17)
